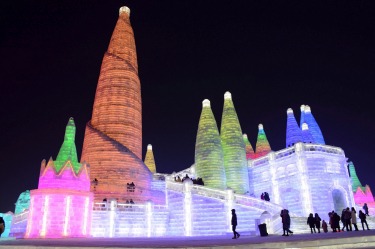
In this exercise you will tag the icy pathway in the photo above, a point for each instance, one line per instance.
(361, 239)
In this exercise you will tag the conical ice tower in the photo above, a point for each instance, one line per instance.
(249, 149)
(209, 162)
(293, 132)
(150, 160)
(306, 134)
(113, 137)
(233, 148)
(68, 149)
(353, 175)
(262, 147)
(314, 128)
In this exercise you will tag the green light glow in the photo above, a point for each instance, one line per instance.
(234, 149)
(209, 164)
(68, 149)
(355, 181)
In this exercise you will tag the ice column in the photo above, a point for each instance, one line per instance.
(233, 148)
(274, 181)
(293, 132)
(209, 161)
(188, 184)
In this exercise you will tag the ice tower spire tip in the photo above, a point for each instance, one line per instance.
(305, 127)
(227, 95)
(289, 111)
(149, 147)
(244, 135)
(260, 127)
(124, 9)
(307, 108)
(206, 103)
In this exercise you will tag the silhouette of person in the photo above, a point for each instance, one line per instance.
(311, 223)
(325, 226)
(234, 225)
(365, 207)
(362, 216)
(317, 221)
(262, 196)
(354, 219)
(131, 201)
(2, 226)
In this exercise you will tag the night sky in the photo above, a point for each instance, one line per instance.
(270, 55)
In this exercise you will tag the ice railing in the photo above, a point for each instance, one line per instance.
(17, 218)
(221, 195)
(292, 150)
(122, 207)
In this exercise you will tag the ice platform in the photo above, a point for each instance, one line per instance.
(360, 239)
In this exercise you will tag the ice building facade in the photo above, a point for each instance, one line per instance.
(113, 193)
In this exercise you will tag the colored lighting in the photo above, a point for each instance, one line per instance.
(262, 146)
(67, 215)
(45, 215)
(150, 160)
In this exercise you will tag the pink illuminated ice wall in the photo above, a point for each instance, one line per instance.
(62, 204)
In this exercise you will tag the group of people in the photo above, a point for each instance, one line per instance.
(314, 222)
(198, 181)
(130, 187)
(265, 196)
(285, 219)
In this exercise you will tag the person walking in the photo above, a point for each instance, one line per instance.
(365, 207)
(317, 222)
(348, 219)
(354, 219)
(324, 226)
(362, 217)
(311, 223)
(234, 225)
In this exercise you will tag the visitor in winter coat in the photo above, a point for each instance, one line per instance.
(362, 216)
(348, 219)
(234, 225)
(336, 220)
(311, 223)
(354, 219)
(324, 226)
(317, 222)
(365, 207)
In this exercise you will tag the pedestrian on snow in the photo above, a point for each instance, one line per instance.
(354, 219)
(365, 207)
(234, 225)
(311, 223)
(348, 219)
(336, 222)
(285, 219)
(317, 222)
(324, 226)
(362, 216)
(343, 219)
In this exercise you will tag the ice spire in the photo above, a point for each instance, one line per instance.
(353, 175)
(113, 137)
(68, 149)
(262, 145)
(234, 149)
(313, 126)
(306, 134)
(150, 160)
(249, 149)
(302, 119)
(209, 162)
(293, 132)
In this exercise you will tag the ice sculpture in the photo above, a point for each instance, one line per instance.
(313, 125)
(249, 149)
(362, 194)
(234, 150)
(113, 137)
(293, 132)
(306, 134)
(62, 204)
(23, 202)
(262, 146)
(150, 160)
(209, 162)
(353, 175)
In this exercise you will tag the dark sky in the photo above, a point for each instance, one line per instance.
(270, 55)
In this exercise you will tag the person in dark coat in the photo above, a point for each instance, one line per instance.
(365, 207)
(348, 219)
(362, 217)
(262, 196)
(336, 222)
(311, 223)
(234, 225)
(2, 226)
(324, 226)
(343, 219)
(317, 222)
(285, 219)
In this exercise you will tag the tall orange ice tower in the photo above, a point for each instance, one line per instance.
(113, 138)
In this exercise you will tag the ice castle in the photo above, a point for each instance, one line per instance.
(113, 193)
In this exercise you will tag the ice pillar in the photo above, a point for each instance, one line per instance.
(209, 162)
(235, 162)
(293, 132)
